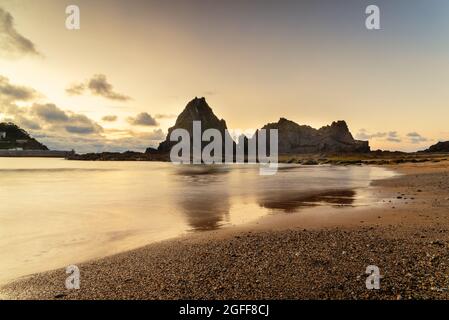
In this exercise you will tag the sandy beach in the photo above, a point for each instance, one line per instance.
(319, 253)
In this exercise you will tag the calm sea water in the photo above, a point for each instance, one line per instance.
(54, 212)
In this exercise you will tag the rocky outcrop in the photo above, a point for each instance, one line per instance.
(335, 138)
(13, 137)
(292, 137)
(439, 147)
(117, 156)
(196, 110)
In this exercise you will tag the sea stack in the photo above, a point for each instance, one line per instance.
(196, 110)
(334, 138)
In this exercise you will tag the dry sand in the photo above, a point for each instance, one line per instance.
(320, 253)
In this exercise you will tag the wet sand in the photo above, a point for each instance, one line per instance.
(318, 253)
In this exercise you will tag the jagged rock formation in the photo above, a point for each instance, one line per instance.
(196, 110)
(439, 147)
(335, 138)
(293, 138)
(13, 137)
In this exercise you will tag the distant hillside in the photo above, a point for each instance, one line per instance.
(439, 147)
(13, 137)
(293, 138)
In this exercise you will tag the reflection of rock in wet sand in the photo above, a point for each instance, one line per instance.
(290, 202)
(203, 195)
(205, 211)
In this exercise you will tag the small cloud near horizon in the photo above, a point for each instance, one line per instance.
(69, 121)
(165, 116)
(364, 135)
(143, 119)
(391, 136)
(416, 138)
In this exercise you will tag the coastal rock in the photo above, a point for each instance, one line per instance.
(151, 150)
(439, 147)
(117, 156)
(334, 138)
(293, 138)
(13, 137)
(196, 110)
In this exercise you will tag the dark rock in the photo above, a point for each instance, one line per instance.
(116, 156)
(14, 137)
(151, 150)
(439, 147)
(335, 138)
(196, 110)
(310, 162)
(292, 137)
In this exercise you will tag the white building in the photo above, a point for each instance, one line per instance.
(2, 135)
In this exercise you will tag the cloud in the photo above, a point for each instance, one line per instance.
(364, 135)
(165, 116)
(81, 133)
(80, 123)
(109, 118)
(416, 138)
(156, 135)
(12, 93)
(135, 141)
(65, 130)
(49, 113)
(98, 85)
(52, 118)
(56, 128)
(76, 89)
(393, 136)
(80, 129)
(143, 119)
(12, 43)
(25, 122)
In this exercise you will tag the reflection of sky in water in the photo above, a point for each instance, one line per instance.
(55, 212)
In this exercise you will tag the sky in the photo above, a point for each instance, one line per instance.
(119, 82)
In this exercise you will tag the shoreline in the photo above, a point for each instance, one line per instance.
(379, 158)
(279, 244)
